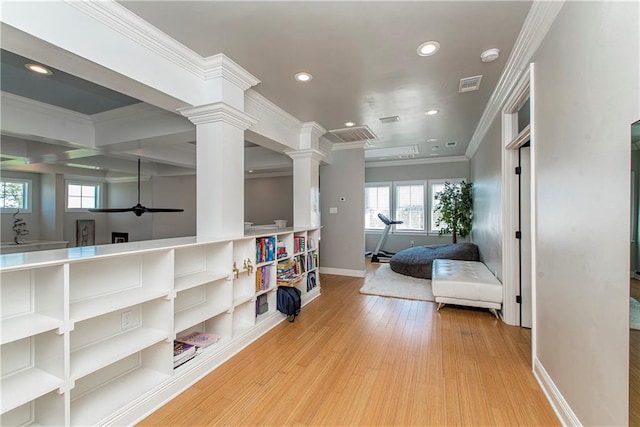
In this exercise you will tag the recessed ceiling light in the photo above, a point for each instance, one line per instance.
(250, 171)
(432, 112)
(40, 69)
(349, 124)
(490, 55)
(431, 140)
(428, 48)
(303, 77)
(435, 147)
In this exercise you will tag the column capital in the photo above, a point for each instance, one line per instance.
(218, 112)
(221, 66)
(309, 153)
(313, 129)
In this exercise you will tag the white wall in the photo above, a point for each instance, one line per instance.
(267, 199)
(397, 242)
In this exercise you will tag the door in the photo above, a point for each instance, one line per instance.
(524, 155)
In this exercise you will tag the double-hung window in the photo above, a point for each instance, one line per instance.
(15, 194)
(83, 195)
(377, 199)
(409, 206)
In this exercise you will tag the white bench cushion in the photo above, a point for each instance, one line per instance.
(465, 283)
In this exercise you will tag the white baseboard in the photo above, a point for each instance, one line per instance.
(558, 403)
(342, 272)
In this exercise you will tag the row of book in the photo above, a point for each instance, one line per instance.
(312, 261)
(298, 244)
(312, 281)
(281, 251)
(265, 249)
(185, 348)
(263, 278)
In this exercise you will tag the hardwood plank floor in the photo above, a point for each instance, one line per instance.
(354, 359)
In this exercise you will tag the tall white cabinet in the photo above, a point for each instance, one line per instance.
(87, 333)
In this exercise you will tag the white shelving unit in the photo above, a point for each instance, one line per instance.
(87, 333)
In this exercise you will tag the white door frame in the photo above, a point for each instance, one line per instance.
(510, 252)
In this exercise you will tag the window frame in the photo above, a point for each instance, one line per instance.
(98, 198)
(389, 185)
(27, 196)
(394, 202)
(431, 231)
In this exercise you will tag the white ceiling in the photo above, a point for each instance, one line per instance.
(362, 56)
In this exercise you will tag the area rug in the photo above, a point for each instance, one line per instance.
(634, 314)
(387, 283)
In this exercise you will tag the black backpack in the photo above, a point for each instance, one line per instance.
(289, 301)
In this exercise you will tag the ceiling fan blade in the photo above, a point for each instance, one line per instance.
(163, 210)
(111, 210)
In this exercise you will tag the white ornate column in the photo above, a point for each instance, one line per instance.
(220, 127)
(306, 176)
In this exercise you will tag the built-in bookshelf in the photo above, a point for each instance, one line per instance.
(87, 334)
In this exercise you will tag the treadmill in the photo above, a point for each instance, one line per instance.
(380, 255)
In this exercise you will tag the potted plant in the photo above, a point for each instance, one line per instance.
(454, 209)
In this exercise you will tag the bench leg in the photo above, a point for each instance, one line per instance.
(440, 305)
(495, 312)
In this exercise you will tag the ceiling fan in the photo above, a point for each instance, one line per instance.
(138, 209)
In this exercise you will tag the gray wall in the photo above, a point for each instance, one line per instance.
(267, 199)
(342, 244)
(635, 244)
(586, 97)
(485, 172)
(174, 192)
(397, 242)
(586, 90)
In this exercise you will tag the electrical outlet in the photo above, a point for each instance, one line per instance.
(127, 319)
(412, 243)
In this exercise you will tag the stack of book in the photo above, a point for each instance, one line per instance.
(299, 264)
(312, 260)
(286, 273)
(182, 353)
(185, 348)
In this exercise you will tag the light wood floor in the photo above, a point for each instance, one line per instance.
(351, 359)
(634, 365)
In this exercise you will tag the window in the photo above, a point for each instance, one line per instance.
(15, 194)
(409, 206)
(435, 186)
(82, 196)
(377, 199)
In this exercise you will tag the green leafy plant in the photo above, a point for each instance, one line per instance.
(455, 209)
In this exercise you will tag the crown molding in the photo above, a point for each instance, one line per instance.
(536, 25)
(313, 129)
(122, 20)
(254, 100)
(410, 162)
(218, 112)
(339, 146)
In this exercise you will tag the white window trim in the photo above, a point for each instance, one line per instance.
(99, 190)
(431, 183)
(27, 196)
(380, 184)
(425, 206)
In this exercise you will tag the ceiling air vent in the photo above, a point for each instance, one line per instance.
(451, 143)
(389, 119)
(353, 134)
(469, 84)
